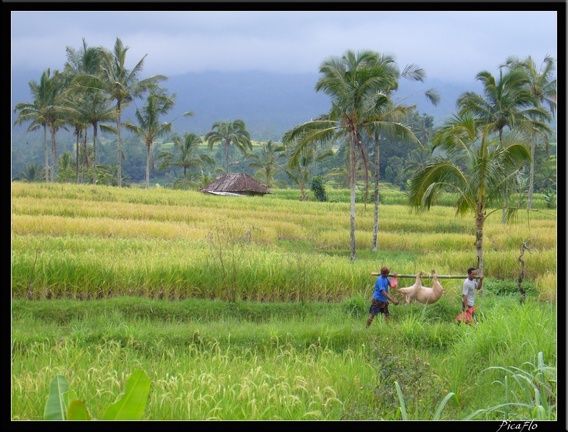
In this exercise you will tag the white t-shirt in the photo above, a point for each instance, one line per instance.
(469, 287)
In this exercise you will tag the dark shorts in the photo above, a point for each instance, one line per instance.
(378, 307)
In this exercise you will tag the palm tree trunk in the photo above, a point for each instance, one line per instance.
(118, 148)
(376, 196)
(531, 176)
(94, 153)
(46, 153)
(148, 165)
(53, 155)
(352, 164)
(479, 221)
(227, 157)
(77, 144)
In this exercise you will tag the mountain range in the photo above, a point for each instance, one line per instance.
(269, 103)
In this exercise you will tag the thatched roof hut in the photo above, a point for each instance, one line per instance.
(236, 184)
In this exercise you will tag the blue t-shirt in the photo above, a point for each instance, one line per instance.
(382, 284)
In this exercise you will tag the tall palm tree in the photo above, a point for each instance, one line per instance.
(477, 180)
(230, 133)
(507, 103)
(268, 161)
(90, 103)
(185, 154)
(123, 86)
(41, 113)
(149, 127)
(543, 87)
(354, 82)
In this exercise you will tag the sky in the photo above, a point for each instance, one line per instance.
(452, 46)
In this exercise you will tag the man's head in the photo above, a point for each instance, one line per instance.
(385, 271)
(471, 272)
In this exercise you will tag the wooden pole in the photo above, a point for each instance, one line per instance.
(426, 276)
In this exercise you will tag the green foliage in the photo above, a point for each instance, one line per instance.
(62, 403)
(531, 393)
(509, 287)
(55, 407)
(318, 188)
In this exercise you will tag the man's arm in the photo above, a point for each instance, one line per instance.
(390, 298)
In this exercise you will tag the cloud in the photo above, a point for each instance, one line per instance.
(448, 45)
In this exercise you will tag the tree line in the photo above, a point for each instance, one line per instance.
(486, 152)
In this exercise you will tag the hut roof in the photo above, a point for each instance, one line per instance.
(236, 183)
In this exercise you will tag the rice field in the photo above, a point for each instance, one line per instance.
(248, 308)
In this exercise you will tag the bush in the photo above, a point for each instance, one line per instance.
(319, 189)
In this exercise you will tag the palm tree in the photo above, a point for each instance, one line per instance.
(227, 132)
(185, 154)
(508, 102)
(123, 86)
(90, 103)
(543, 88)
(477, 180)
(354, 82)
(42, 112)
(31, 173)
(268, 162)
(300, 167)
(149, 127)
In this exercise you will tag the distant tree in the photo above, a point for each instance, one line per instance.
(543, 87)
(66, 171)
(31, 173)
(46, 112)
(185, 154)
(149, 127)
(91, 105)
(123, 86)
(229, 133)
(269, 161)
(318, 188)
(299, 171)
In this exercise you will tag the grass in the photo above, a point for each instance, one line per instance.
(250, 309)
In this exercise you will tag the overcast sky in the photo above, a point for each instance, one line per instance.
(451, 46)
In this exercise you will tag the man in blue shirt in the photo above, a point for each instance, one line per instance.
(381, 297)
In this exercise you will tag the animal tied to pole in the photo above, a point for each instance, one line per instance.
(422, 294)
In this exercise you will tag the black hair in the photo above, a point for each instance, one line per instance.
(469, 270)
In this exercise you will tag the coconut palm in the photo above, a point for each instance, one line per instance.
(543, 87)
(507, 103)
(355, 83)
(44, 112)
(477, 179)
(185, 154)
(123, 86)
(90, 103)
(268, 161)
(300, 170)
(31, 173)
(230, 133)
(149, 127)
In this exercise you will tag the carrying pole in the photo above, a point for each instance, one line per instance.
(426, 276)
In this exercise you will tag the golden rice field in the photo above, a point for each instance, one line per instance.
(87, 242)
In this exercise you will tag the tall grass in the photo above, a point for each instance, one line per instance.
(282, 360)
(249, 308)
(85, 242)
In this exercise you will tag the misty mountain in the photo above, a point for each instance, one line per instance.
(268, 103)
